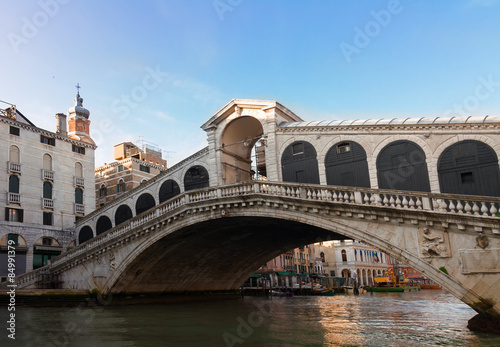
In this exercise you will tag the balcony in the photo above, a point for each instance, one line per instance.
(47, 175)
(47, 203)
(13, 198)
(79, 208)
(78, 182)
(14, 167)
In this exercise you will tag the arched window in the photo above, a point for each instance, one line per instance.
(195, 178)
(144, 203)
(346, 165)
(344, 255)
(78, 196)
(103, 191)
(299, 163)
(469, 167)
(122, 214)
(13, 184)
(85, 234)
(120, 186)
(47, 190)
(78, 170)
(14, 154)
(168, 190)
(47, 162)
(103, 224)
(401, 165)
(322, 255)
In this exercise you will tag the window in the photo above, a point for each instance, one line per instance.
(14, 154)
(78, 196)
(14, 130)
(47, 162)
(344, 255)
(13, 237)
(47, 190)
(48, 140)
(13, 214)
(78, 149)
(13, 184)
(103, 191)
(298, 148)
(322, 255)
(467, 177)
(144, 168)
(78, 170)
(120, 168)
(47, 218)
(343, 147)
(120, 187)
(46, 241)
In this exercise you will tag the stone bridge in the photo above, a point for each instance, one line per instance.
(425, 191)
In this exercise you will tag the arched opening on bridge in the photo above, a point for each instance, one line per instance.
(195, 178)
(144, 203)
(122, 214)
(346, 165)
(401, 166)
(237, 141)
(45, 248)
(85, 234)
(19, 242)
(103, 224)
(168, 190)
(469, 167)
(299, 163)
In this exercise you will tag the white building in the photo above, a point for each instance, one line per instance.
(47, 182)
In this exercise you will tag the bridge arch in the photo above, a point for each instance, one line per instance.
(237, 140)
(168, 190)
(469, 167)
(103, 224)
(145, 202)
(122, 214)
(401, 165)
(346, 165)
(85, 234)
(299, 163)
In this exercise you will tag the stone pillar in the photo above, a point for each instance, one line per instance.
(29, 259)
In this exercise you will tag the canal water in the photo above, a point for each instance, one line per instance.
(425, 318)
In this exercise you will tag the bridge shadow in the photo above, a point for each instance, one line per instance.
(218, 254)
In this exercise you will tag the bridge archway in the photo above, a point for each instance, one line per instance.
(401, 165)
(237, 141)
(168, 190)
(299, 163)
(103, 224)
(196, 177)
(122, 214)
(346, 165)
(144, 203)
(469, 167)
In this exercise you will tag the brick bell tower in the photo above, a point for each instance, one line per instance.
(78, 120)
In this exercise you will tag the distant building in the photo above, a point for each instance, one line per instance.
(133, 166)
(46, 184)
(359, 261)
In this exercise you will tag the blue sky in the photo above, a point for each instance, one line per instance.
(160, 69)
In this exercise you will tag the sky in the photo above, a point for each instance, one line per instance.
(157, 70)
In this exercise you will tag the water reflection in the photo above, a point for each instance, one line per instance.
(425, 318)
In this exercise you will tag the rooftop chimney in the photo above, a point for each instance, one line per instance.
(62, 126)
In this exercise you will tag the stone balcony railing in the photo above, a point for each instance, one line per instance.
(78, 182)
(47, 175)
(14, 167)
(13, 198)
(79, 208)
(47, 203)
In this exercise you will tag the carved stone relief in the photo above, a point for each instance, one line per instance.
(433, 243)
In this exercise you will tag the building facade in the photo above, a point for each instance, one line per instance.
(133, 165)
(47, 183)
